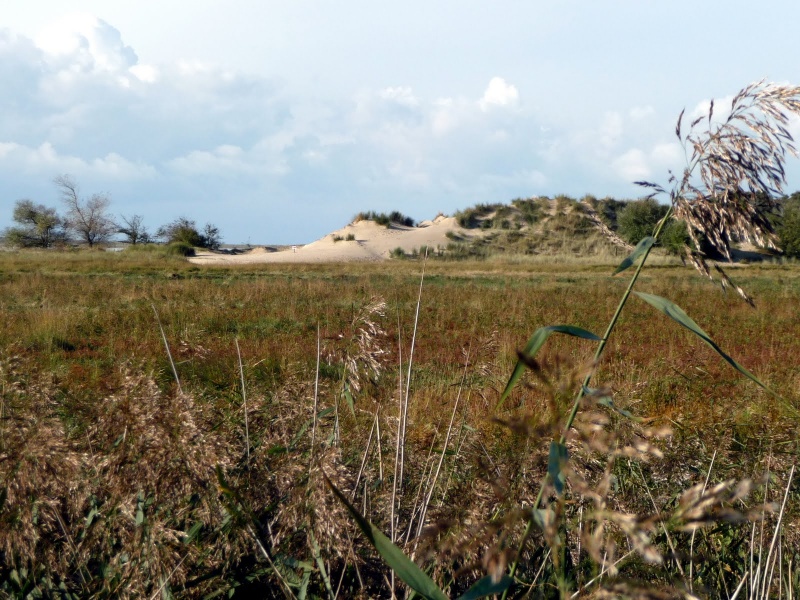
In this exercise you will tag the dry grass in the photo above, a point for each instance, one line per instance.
(120, 493)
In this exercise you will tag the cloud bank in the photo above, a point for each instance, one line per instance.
(269, 164)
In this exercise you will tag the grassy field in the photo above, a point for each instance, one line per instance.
(116, 480)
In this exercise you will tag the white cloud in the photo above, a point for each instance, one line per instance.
(45, 161)
(86, 42)
(611, 130)
(146, 73)
(638, 113)
(499, 93)
(669, 155)
(637, 164)
(632, 165)
(402, 95)
(226, 158)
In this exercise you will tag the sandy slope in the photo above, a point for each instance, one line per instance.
(372, 242)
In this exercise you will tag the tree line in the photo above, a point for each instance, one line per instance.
(637, 219)
(88, 220)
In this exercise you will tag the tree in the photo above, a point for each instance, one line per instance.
(788, 229)
(182, 230)
(211, 237)
(185, 231)
(134, 230)
(40, 226)
(639, 218)
(88, 219)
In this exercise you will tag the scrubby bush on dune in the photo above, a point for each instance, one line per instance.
(385, 219)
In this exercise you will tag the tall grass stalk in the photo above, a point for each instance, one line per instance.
(694, 531)
(432, 485)
(404, 422)
(582, 391)
(316, 399)
(166, 347)
(244, 401)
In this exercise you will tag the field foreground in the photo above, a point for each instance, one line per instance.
(117, 480)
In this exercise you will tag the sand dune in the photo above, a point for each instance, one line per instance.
(372, 242)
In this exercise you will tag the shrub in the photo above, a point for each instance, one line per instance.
(39, 226)
(185, 230)
(350, 237)
(398, 253)
(789, 228)
(471, 217)
(639, 219)
(674, 238)
(180, 248)
(530, 208)
(384, 218)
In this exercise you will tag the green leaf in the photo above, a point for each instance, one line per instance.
(139, 509)
(87, 522)
(487, 587)
(558, 456)
(608, 402)
(642, 247)
(537, 340)
(405, 568)
(349, 397)
(192, 534)
(326, 412)
(675, 312)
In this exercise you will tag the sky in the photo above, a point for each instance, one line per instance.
(279, 120)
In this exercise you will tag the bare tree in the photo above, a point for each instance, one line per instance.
(134, 230)
(87, 218)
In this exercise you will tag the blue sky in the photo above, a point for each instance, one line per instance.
(279, 120)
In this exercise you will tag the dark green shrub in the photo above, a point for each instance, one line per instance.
(384, 218)
(789, 228)
(674, 237)
(185, 230)
(639, 219)
(180, 248)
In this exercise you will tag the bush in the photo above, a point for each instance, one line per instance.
(185, 230)
(639, 219)
(789, 228)
(180, 248)
(674, 237)
(384, 218)
(39, 226)
(471, 217)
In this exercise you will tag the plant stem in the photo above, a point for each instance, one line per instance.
(577, 403)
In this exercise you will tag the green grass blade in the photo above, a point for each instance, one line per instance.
(608, 402)
(405, 568)
(487, 587)
(349, 397)
(558, 456)
(642, 247)
(537, 340)
(676, 313)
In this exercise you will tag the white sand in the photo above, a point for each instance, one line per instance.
(372, 242)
